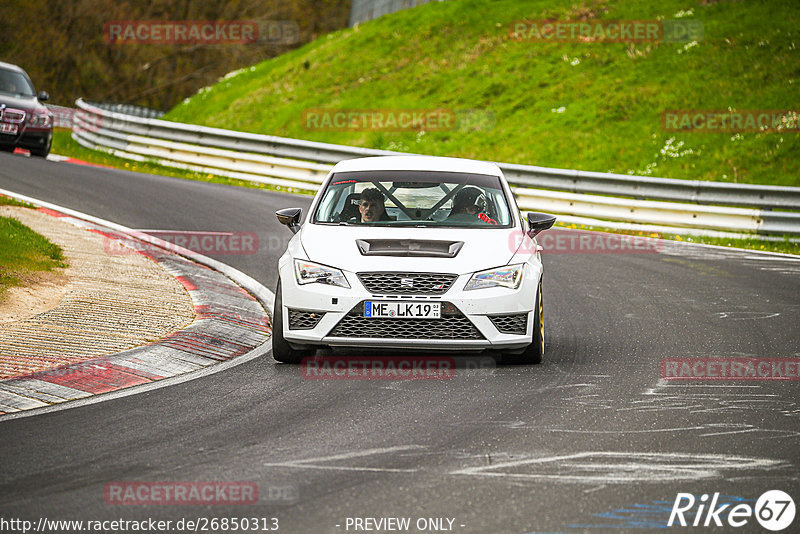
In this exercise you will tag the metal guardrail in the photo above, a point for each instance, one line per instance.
(645, 187)
(63, 116)
(303, 164)
(574, 181)
(131, 109)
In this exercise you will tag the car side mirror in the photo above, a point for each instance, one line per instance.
(43, 96)
(539, 222)
(290, 217)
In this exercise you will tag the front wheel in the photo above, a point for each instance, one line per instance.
(281, 350)
(44, 151)
(534, 352)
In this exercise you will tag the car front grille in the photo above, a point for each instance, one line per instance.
(304, 319)
(510, 324)
(452, 325)
(399, 283)
(13, 116)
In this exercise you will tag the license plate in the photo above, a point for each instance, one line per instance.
(8, 128)
(403, 310)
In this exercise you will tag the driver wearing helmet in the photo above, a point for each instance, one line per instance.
(469, 204)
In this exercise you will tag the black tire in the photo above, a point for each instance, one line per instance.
(281, 350)
(42, 152)
(7, 148)
(534, 352)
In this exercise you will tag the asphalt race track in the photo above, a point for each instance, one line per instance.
(591, 438)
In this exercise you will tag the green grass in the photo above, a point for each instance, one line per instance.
(23, 253)
(8, 201)
(458, 55)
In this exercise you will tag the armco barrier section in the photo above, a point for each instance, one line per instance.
(300, 164)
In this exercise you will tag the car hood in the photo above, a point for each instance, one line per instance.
(26, 103)
(409, 249)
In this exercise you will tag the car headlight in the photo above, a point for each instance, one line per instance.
(509, 276)
(308, 272)
(42, 120)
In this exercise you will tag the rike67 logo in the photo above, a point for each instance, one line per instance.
(774, 510)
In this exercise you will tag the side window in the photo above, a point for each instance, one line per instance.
(341, 195)
(333, 202)
(495, 200)
(326, 207)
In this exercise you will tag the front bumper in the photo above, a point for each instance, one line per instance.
(35, 139)
(469, 317)
(28, 138)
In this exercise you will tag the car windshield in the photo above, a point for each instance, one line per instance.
(15, 83)
(414, 198)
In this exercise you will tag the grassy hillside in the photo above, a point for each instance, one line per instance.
(591, 106)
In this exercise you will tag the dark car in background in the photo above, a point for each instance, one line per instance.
(24, 121)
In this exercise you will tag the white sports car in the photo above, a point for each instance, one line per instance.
(415, 252)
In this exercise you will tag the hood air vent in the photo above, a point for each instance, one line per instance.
(409, 247)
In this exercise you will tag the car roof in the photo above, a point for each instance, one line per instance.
(418, 163)
(11, 66)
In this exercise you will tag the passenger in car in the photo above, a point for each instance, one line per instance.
(469, 205)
